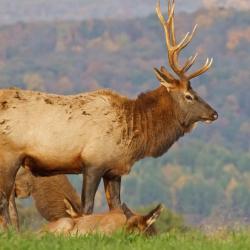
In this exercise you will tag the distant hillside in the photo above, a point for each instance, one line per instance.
(237, 4)
(29, 10)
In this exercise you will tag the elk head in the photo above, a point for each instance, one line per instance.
(191, 106)
(142, 223)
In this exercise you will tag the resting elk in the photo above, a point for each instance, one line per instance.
(102, 133)
(105, 223)
(48, 193)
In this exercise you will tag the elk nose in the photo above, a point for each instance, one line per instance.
(215, 115)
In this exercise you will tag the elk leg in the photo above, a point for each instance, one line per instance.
(13, 211)
(4, 212)
(112, 188)
(91, 181)
(8, 169)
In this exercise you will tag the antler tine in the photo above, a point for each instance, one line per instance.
(167, 74)
(171, 5)
(190, 61)
(187, 39)
(204, 68)
(183, 44)
(164, 23)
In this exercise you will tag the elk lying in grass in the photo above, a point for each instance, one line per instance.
(100, 134)
(48, 193)
(105, 223)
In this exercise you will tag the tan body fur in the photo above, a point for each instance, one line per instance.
(94, 223)
(77, 126)
(64, 134)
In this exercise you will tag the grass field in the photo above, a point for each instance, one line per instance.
(191, 240)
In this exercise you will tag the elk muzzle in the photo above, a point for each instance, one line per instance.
(211, 115)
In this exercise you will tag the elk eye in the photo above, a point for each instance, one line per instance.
(189, 97)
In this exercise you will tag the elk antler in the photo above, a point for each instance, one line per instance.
(175, 48)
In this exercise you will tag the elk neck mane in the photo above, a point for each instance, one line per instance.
(153, 123)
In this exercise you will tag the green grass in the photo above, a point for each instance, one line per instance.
(186, 241)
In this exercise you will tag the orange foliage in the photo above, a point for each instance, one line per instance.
(232, 185)
(204, 20)
(64, 84)
(182, 181)
(172, 173)
(33, 81)
(235, 36)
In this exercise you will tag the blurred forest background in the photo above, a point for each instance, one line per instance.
(68, 47)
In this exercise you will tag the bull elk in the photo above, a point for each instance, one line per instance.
(48, 193)
(105, 223)
(102, 133)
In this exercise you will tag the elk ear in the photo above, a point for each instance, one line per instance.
(69, 208)
(165, 78)
(128, 213)
(153, 215)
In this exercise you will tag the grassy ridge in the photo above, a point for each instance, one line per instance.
(192, 240)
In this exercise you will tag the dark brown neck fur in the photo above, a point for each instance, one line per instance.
(153, 122)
